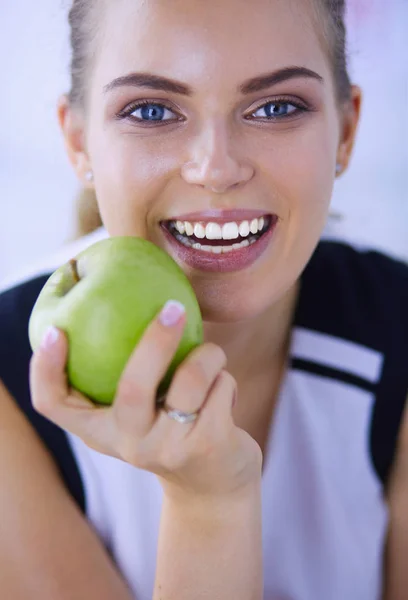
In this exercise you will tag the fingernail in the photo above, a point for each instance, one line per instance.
(171, 313)
(50, 339)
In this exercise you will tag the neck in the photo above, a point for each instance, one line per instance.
(256, 346)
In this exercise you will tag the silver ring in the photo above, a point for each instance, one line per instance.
(179, 415)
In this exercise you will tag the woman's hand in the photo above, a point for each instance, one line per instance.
(208, 457)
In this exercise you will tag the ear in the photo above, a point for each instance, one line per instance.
(72, 125)
(349, 124)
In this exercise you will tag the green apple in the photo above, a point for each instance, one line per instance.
(103, 300)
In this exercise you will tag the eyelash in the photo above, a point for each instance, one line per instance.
(300, 107)
(126, 113)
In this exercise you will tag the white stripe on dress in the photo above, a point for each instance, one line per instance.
(338, 353)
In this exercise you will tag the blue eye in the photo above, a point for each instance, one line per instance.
(276, 110)
(151, 112)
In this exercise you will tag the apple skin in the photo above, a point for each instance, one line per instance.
(123, 284)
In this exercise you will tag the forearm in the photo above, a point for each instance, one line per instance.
(211, 551)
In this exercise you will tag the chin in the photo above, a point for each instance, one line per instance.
(217, 307)
(221, 302)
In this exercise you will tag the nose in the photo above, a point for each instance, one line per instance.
(213, 164)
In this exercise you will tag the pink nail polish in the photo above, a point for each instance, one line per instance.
(171, 313)
(50, 339)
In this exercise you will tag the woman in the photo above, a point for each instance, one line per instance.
(216, 130)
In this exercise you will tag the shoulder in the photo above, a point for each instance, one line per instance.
(18, 300)
(358, 293)
(364, 266)
(16, 304)
(358, 298)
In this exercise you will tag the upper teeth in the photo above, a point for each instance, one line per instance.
(214, 231)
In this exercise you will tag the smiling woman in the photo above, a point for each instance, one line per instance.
(216, 130)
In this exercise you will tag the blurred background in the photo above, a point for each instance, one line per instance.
(38, 189)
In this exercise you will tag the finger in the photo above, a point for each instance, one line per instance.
(216, 414)
(194, 378)
(134, 407)
(188, 391)
(51, 395)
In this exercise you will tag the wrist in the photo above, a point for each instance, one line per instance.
(212, 508)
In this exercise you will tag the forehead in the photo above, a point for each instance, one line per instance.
(203, 41)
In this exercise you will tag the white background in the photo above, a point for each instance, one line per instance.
(38, 188)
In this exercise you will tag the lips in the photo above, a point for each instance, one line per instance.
(235, 259)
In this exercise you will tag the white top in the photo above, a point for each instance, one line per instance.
(318, 542)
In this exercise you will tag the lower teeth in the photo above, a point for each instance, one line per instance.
(215, 249)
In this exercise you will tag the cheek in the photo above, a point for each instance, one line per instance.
(131, 173)
(301, 168)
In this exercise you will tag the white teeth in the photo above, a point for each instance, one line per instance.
(230, 231)
(199, 231)
(218, 249)
(213, 231)
(243, 244)
(221, 249)
(254, 226)
(244, 229)
(181, 228)
(189, 228)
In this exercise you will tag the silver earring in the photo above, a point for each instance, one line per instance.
(89, 176)
(339, 168)
(336, 216)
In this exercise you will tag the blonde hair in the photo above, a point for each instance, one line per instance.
(83, 22)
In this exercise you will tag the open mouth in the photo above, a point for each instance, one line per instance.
(219, 238)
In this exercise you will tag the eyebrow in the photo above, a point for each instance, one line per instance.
(256, 84)
(262, 82)
(148, 80)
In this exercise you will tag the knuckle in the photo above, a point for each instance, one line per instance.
(217, 354)
(227, 379)
(192, 374)
(130, 392)
(224, 383)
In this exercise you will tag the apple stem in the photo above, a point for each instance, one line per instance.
(73, 264)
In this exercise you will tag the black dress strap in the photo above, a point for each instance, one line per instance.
(16, 305)
(362, 296)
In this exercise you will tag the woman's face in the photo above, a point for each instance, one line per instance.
(218, 128)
